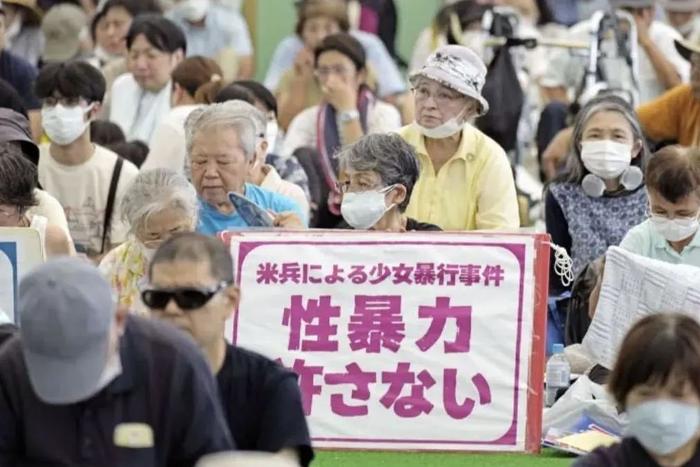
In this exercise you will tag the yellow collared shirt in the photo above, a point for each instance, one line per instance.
(473, 190)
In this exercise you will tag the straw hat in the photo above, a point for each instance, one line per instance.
(35, 13)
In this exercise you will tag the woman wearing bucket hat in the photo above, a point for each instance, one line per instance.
(466, 181)
(675, 116)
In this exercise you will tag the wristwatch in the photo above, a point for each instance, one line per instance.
(348, 116)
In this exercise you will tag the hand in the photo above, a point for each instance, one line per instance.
(643, 24)
(288, 220)
(341, 95)
(304, 64)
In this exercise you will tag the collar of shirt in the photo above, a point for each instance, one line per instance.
(272, 179)
(464, 151)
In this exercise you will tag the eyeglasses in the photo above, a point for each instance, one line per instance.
(186, 298)
(64, 101)
(441, 96)
(322, 71)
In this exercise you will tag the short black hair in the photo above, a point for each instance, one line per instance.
(104, 133)
(159, 31)
(196, 247)
(133, 7)
(260, 92)
(10, 98)
(72, 79)
(18, 178)
(133, 151)
(235, 92)
(345, 44)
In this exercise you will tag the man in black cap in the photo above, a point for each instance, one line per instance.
(83, 384)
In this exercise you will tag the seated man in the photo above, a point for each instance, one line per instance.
(221, 145)
(675, 115)
(192, 286)
(83, 384)
(216, 32)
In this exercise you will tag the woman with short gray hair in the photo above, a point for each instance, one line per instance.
(376, 178)
(158, 204)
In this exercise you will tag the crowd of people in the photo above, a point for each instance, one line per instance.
(131, 129)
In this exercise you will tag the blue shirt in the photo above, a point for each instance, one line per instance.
(20, 74)
(389, 80)
(211, 221)
(644, 240)
(223, 28)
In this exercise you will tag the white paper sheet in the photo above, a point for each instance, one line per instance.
(634, 287)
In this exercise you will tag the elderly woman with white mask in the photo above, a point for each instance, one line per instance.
(466, 181)
(158, 204)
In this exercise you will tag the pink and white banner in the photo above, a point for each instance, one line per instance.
(407, 341)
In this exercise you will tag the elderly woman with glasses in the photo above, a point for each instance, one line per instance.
(377, 176)
(158, 204)
(466, 181)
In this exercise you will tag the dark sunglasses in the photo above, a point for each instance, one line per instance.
(186, 298)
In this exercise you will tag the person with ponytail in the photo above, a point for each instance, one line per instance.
(190, 81)
(673, 186)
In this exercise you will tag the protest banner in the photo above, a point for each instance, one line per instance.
(402, 341)
(20, 250)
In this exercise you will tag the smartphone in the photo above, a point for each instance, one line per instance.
(252, 214)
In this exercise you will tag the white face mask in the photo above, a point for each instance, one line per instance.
(193, 10)
(675, 230)
(63, 125)
(606, 159)
(364, 209)
(271, 132)
(445, 130)
(663, 426)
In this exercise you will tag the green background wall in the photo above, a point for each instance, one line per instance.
(275, 19)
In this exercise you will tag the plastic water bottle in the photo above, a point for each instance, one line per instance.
(558, 374)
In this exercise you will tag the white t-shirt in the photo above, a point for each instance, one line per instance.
(167, 148)
(382, 118)
(83, 190)
(568, 71)
(51, 209)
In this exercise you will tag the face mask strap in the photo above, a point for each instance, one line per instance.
(563, 264)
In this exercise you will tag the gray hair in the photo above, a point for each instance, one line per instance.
(389, 156)
(154, 191)
(237, 115)
(575, 171)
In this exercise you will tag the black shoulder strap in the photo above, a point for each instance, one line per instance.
(109, 209)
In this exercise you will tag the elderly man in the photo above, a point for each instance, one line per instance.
(465, 180)
(192, 286)
(221, 144)
(675, 116)
(83, 384)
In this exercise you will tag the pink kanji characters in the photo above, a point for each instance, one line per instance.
(439, 314)
(376, 323)
(412, 405)
(312, 320)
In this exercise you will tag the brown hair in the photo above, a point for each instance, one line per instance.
(658, 348)
(674, 172)
(336, 9)
(194, 72)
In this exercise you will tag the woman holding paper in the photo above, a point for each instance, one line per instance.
(670, 233)
(601, 196)
(656, 380)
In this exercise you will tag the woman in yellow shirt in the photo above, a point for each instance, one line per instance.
(465, 180)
